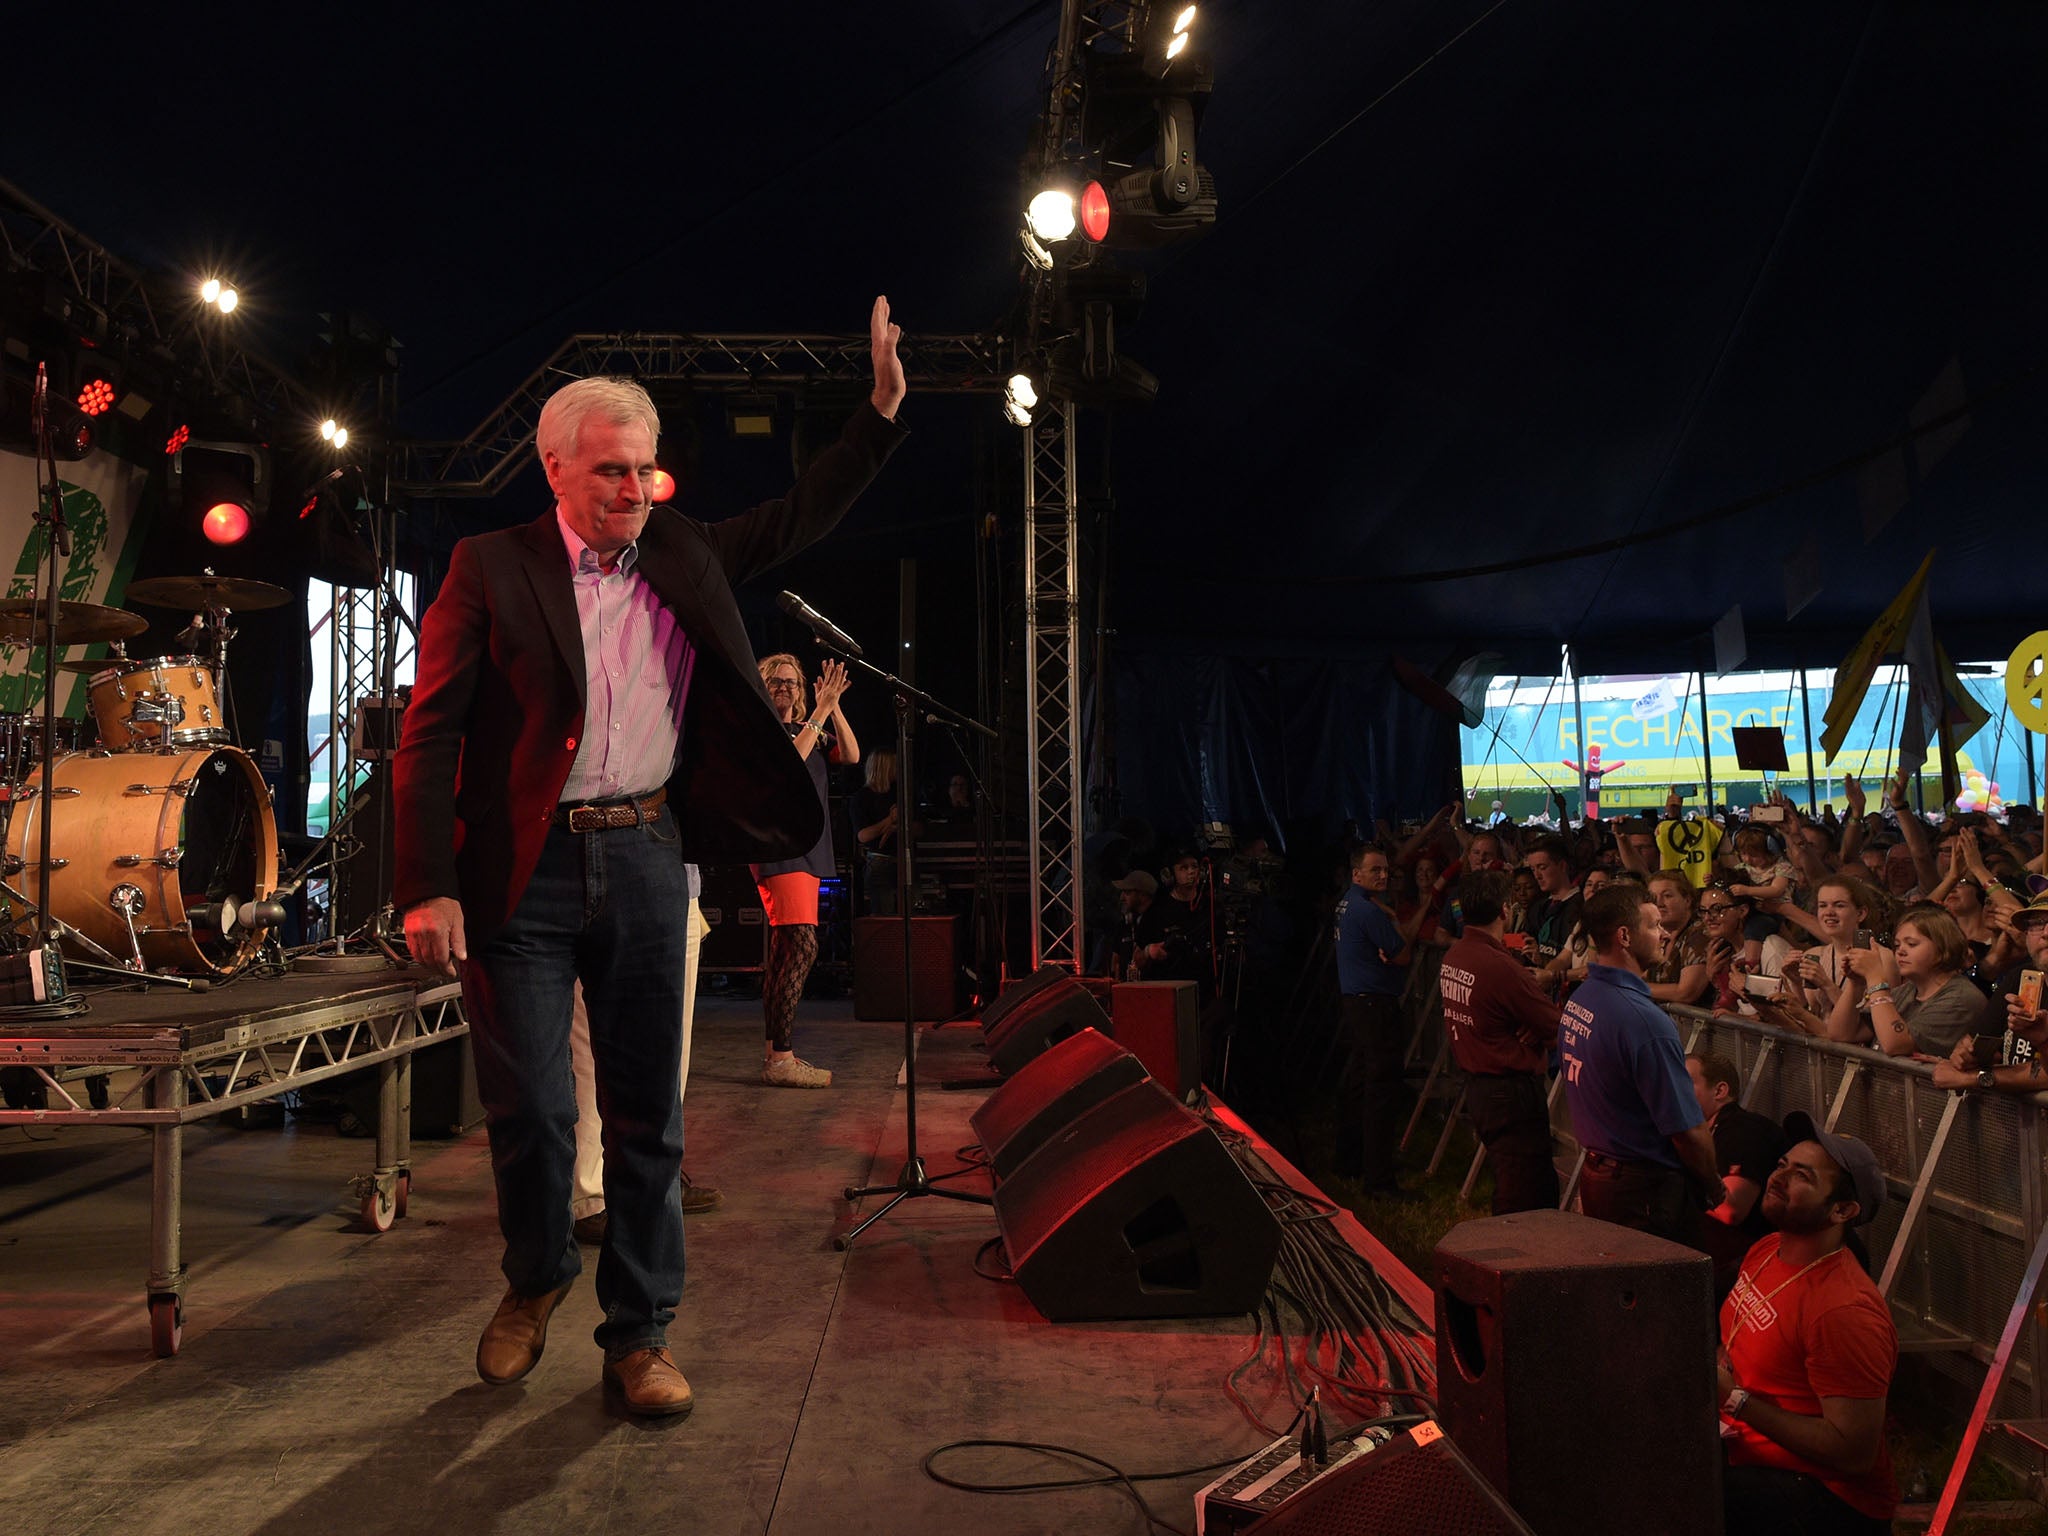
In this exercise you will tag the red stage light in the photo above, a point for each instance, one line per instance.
(177, 440)
(664, 485)
(96, 397)
(1094, 211)
(226, 522)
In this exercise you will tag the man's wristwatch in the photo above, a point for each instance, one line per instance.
(1731, 1406)
(1987, 1079)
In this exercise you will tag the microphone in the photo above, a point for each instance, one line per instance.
(817, 623)
(39, 402)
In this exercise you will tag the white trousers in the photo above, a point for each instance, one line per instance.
(588, 1190)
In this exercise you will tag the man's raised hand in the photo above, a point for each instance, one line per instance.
(890, 387)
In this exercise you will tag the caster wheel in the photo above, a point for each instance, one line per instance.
(166, 1325)
(842, 1242)
(852, 1193)
(403, 1197)
(380, 1208)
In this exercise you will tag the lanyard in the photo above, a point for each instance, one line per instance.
(1742, 1317)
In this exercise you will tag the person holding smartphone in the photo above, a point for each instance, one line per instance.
(2010, 1047)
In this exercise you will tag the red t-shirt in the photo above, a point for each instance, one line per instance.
(1826, 1334)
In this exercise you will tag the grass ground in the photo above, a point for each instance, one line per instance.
(1922, 1442)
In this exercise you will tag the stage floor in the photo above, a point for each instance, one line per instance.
(326, 1381)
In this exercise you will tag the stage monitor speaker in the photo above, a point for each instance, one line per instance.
(1575, 1366)
(878, 967)
(1049, 1092)
(1136, 1209)
(1160, 1023)
(1044, 1019)
(1019, 993)
(736, 925)
(1417, 1484)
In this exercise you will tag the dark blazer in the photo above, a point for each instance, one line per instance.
(497, 709)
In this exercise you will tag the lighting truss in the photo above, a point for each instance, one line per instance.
(481, 464)
(1053, 685)
(159, 310)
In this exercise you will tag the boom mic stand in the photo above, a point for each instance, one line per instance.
(912, 1183)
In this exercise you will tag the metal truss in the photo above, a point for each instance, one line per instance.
(1052, 618)
(114, 293)
(483, 462)
(1053, 685)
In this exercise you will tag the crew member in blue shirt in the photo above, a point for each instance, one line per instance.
(1371, 971)
(1649, 1157)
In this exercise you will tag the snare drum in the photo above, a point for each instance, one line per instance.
(152, 706)
(159, 834)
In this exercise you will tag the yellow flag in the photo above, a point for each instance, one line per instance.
(1852, 678)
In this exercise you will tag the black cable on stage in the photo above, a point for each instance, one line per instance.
(1007, 1277)
(1112, 1476)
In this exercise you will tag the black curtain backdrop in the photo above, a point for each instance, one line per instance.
(1275, 745)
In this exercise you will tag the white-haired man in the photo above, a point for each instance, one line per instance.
(588, 717)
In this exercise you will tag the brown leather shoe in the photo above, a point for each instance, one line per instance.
(514, 1338)
(590, 1230)
(699, 1198)
(647, 1382)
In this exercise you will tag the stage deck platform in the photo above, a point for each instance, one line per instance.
(326, 1379)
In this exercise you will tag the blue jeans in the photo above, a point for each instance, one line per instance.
(609, 908)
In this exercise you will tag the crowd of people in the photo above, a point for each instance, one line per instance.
(1567, 944)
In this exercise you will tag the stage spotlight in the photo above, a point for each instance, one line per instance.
(341, 437)
(177, 440)
(1094, 212)
(1183, 21)
(221, 296)
(1051, 215)
(226, 522)
(664, 486)
(1177, 46)
(328, 428)
(228, 300)
(71, 430)
(97, 398)
(209, 291)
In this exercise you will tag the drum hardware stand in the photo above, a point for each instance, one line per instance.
(912, 1183)
(56, 547)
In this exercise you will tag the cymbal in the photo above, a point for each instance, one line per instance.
(230, 592)
(21, 622)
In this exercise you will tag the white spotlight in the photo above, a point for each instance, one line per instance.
(228, 300)
(1022, 390)
(1051, 215)
(1184, 20)
(329, 427)
(341, 437)
(209, 291)
(1178, 46)
(1019, 416)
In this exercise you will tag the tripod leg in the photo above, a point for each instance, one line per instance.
(845, 1239)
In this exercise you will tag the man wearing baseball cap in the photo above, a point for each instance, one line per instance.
(1807, 1353)
(1138, 895)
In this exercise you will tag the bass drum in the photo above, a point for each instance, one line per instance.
(161, 834)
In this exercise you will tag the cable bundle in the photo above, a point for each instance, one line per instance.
(1351, 1335)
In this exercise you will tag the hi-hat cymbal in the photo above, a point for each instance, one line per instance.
(230, 592)
(22, 619)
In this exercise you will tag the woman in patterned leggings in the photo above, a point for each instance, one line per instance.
(789, 890)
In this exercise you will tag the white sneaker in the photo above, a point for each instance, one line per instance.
(794, 1072)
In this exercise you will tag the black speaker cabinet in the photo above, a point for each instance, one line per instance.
(1417, 1484)
(1019, 993)
(736, 925)
(1049, 1092)
(878, 967)
(1160, 1023)
(1049, 1015)
(1575, 1366)
(1135, 1209)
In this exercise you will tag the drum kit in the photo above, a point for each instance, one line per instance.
(162, 849)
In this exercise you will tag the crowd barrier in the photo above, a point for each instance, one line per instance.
(1956, 1250)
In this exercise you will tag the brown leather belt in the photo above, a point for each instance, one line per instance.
(609, 815)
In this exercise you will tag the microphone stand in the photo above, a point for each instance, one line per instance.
(912, 1183)
(57, 548)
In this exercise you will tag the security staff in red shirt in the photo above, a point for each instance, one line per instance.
(1501, 1026)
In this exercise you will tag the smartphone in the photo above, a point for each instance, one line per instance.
(2029, 993)
(1862, 938)
(1515, 941)
(1764, 986)
(1773, 813)
(1685, 791)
